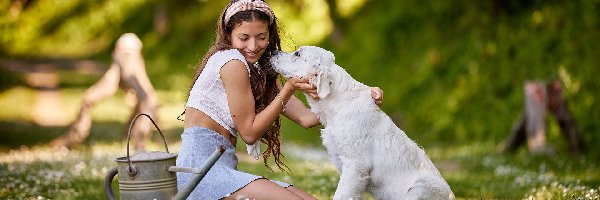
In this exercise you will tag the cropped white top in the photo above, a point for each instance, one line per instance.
(209, 96)
(208, 93)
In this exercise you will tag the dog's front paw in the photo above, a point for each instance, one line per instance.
(338, 196)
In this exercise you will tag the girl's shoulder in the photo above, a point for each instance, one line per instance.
(221, 57)
(229, 54)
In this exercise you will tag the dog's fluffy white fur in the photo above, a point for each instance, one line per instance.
(371, 153)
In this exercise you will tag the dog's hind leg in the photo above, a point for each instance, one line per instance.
(353, 182)
(429, 187)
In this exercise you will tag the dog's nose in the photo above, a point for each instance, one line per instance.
(276, 52)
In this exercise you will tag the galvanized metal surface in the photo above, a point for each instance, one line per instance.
(152, 179)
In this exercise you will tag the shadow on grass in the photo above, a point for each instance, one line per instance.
(14, 134)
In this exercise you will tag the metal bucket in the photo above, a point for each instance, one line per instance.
(146, 176)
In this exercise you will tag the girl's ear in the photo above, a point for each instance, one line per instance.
(323, 84)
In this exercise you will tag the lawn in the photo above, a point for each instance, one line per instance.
(475, 170)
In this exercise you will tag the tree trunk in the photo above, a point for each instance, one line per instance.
(558, 106)
(535, 116)
(531, 126)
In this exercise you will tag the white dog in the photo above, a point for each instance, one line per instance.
(372, 154)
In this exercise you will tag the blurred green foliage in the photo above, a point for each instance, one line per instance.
(452, 71)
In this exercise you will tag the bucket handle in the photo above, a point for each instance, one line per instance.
(131, 169)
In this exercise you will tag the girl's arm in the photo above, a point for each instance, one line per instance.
(240, 99)
(296, 111)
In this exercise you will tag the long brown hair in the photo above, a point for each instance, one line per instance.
(263, 79)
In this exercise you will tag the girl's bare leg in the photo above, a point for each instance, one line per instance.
(300, 193)
(263, 189)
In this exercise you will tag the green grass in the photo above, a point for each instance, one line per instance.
(472, 170)
(32, 170)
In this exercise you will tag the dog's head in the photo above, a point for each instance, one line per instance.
(307, 62)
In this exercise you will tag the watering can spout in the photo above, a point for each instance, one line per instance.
(191, 185)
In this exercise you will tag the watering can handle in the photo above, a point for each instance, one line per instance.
(132, 170)
(108, 184)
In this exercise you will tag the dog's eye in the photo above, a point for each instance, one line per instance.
(297, 54)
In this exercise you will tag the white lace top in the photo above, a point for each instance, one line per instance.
(209, 96)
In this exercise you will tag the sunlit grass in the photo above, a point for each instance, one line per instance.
(50, 173)
(473, 169)
(58, 173)
(557, 190)
(116, 108)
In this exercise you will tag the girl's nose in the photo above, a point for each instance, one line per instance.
(252, 46)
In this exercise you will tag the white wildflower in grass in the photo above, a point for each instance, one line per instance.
(489, 161)
(60, 173)
(506, 170)
(557, 190)
(53, 173)
(78, 168)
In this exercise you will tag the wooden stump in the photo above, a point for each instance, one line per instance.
(127, 71)
(531, 127)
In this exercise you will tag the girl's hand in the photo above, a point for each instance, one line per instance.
(377, 95)
(303, 85)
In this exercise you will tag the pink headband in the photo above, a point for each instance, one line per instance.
(245, 5)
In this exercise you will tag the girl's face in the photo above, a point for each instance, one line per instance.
(251, 38)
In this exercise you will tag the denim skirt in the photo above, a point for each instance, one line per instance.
(197, 144)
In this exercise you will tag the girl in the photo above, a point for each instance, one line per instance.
(236, 91)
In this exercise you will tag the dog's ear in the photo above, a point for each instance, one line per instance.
(331, 57)
(327, 58)
(323, 85)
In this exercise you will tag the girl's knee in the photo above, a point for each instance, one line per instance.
(302, 194)
(263, 189)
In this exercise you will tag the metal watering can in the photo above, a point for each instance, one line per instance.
(151, 175)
